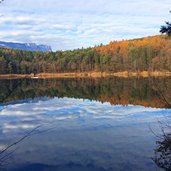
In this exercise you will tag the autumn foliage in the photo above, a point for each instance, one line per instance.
(150, 53)
(146, 54)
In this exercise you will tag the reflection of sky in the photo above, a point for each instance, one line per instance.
(83, 132)
(28, 115)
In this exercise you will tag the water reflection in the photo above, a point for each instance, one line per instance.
(77, 131)
(7, 151)
(149, 92)
(85, 135)
(163, 146)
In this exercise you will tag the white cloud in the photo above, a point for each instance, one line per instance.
(73, 24)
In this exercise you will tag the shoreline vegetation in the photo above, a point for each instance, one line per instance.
(145, 57)
(89, 74)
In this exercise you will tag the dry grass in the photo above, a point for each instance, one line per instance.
(13, 76)
(105, 74)
(89, 74)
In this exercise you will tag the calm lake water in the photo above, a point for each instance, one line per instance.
(104, 124)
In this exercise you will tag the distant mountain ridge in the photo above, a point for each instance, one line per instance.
(26, 46)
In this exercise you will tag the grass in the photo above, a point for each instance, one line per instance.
(90, 74)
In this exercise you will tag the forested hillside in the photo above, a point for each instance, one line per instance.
(146, 54)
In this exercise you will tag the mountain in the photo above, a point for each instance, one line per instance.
(26, 46)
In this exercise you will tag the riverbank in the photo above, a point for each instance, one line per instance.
(89, 74)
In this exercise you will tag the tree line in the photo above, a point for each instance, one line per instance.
(146, 54)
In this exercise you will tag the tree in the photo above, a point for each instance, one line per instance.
(162, 156)
(166, 29)
(2, 65)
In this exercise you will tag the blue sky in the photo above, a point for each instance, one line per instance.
(70, 24)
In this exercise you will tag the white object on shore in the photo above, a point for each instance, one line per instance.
(34, 77)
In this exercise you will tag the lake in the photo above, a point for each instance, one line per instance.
(85, 124)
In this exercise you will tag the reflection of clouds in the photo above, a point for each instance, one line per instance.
(29, 115)
(1, 108)
(20, 126)
(2, 146)
(80, 131)
(63, 118)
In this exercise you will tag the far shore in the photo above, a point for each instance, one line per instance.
(89, 74)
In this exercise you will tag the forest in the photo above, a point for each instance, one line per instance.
(145, 54)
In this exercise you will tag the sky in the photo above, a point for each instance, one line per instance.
(72, 24)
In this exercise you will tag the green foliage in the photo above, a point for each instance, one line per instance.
(135, 55)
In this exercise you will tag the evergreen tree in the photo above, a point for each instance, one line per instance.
(166, 29)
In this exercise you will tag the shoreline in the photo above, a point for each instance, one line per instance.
(89, 74)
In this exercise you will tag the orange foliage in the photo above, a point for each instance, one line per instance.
(157, 42)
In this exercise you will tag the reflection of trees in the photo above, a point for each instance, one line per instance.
(11, 90)
(162, 92)
(148, 92)
(163, 150)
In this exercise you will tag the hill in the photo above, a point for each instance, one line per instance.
(148, 54)
(26, 46)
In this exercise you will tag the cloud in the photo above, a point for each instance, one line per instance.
(73, 24)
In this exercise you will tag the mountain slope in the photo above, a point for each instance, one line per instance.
(26, 46)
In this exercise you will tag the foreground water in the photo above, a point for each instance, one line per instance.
(84, 124)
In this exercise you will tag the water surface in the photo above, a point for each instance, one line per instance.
(83, 124)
